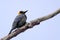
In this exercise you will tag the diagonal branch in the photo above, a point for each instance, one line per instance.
(30, 25)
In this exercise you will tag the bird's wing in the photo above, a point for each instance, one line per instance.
(17, 20)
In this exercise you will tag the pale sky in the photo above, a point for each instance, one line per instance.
(47, 30)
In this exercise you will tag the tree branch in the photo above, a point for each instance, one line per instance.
(30, 25)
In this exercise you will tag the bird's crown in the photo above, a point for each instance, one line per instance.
(22, 12)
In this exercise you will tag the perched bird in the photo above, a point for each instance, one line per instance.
(19, 21)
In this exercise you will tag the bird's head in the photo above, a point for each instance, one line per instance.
(22, 12)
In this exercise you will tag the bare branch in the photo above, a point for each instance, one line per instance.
(30, 25)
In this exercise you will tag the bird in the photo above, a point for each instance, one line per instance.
(19, 21)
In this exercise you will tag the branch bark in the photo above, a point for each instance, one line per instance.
(30, 25)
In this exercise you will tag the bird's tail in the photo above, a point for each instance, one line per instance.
(10, 31)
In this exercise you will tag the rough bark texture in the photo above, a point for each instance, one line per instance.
(30, 25)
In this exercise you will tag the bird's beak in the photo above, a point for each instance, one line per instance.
(25, 11)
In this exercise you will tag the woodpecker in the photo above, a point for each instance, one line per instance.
(19, 21)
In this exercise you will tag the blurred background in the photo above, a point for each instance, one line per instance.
(47, 30)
